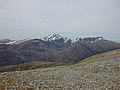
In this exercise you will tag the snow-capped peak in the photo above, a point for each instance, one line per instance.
(52, 37)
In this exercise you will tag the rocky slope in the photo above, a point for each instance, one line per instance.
(100, 72)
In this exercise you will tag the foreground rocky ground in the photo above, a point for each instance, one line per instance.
(100, 72)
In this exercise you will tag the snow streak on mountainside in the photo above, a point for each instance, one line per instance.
(7, 41)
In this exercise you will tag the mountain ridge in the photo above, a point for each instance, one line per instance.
(54, 50)
(51, 37)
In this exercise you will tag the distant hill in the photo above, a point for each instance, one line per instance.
(53, 48)
(111, 55)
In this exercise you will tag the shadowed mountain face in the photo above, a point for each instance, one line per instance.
(53, 48)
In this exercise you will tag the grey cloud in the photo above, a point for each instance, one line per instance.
(33, 18)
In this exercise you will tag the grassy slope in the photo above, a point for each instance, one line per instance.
(115, 54)
(31, 65)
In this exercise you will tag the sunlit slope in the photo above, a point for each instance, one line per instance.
(112, 55)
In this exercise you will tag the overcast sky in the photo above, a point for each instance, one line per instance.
(73, 18)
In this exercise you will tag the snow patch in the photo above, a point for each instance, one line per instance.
(52, 37)
(21, 41)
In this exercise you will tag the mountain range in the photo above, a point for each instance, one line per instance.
(52, 48)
